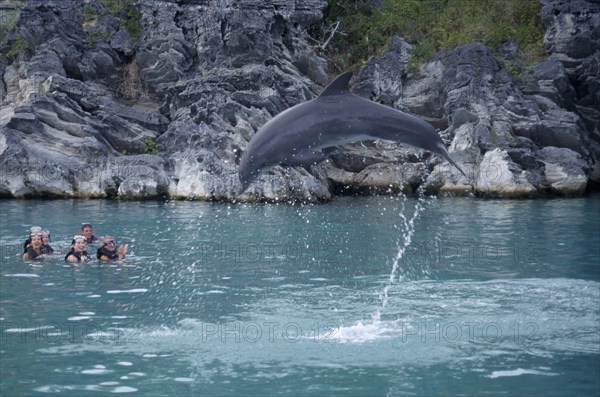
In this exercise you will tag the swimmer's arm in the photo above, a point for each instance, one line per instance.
(123, 251)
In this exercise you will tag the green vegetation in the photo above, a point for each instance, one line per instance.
(89, 13)
(115, 6)
(431, 25)
(9, 20)
(8, 23)
(151, 147)
(19, 46)
(124, 11)
(133, 22)
(93, 37)
(127, 15)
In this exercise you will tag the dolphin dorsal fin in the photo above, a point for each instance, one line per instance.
(337, 86)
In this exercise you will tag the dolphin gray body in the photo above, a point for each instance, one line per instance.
(295, 136)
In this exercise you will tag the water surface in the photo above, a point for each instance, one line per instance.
(496, 297)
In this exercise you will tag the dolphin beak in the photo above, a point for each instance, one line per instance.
(454, 164)
(244, 185)
(446, 155)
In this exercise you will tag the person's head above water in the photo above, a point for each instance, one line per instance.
(36, 241)
(46, 238)
(78, 243)
(109, 242)
(109, 250)
(88, 231)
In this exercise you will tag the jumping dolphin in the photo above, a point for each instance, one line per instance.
(295, 136)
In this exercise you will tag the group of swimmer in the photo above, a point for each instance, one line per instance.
(38, 246)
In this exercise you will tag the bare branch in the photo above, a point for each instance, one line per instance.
(335, 28)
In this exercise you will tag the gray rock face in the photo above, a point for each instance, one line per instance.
(500, 176)
(496, 131)
(89, 110)
(564, 170)
(573, 39)
(90, 100)
(573, 27)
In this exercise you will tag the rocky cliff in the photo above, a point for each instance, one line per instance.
(159, 99)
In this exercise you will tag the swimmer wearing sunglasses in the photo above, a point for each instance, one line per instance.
(109, 251)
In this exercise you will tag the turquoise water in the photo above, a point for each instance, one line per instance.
(360, 296)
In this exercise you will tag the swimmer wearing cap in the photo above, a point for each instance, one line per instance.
(46, 238)
(78, 252)
(35, 248)
(33, 231)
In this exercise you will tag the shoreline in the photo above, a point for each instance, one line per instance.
(589, 193)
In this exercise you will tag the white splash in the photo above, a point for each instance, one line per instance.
(519, 372)
(127, 291)
(408, 227)
(377, 329)
(363, 332)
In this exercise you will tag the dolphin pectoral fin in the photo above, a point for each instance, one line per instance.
(305, 157)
